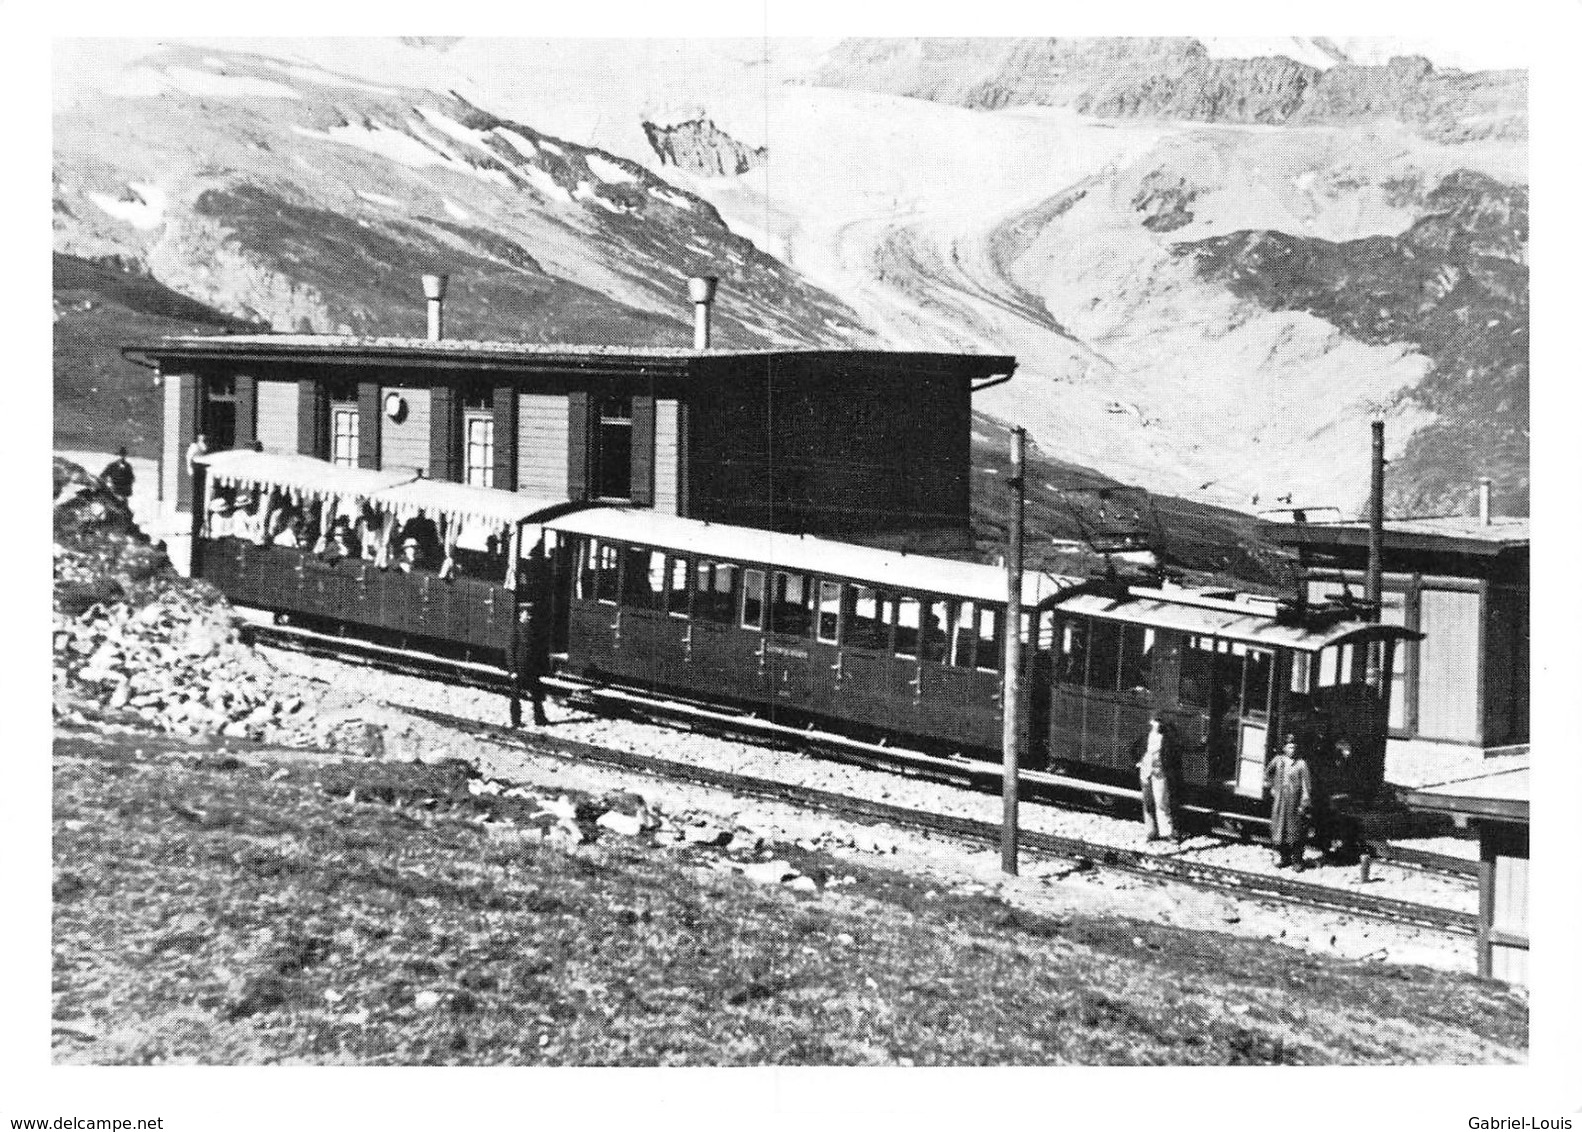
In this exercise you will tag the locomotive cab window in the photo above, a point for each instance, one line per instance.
(753, 599)
(1073, 644)
(713, 592)
(1104, 655)
(1137, 658)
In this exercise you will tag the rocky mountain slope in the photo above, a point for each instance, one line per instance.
(1215, 264)
(1180, 79)
(310, 201)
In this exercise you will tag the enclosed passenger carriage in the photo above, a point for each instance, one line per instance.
(385, 555)
(1229, 676)
(883, 642)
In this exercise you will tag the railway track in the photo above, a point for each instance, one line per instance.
(1133, 861)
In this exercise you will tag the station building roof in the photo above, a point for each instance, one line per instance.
(1461, 534)
(458, 353)
(1502, 795)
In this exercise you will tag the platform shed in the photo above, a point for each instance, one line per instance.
(1464, 583)
(1497, 805)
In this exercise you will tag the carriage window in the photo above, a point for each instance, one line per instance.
(1137, 658)
(677, 589)
(1260, 670)
(906, 627)
(1348, 665)
(965, 629)
(608, 573)
(990, 639)
(936, 631)
(1327, 660)
(1073, 643)
(587, 560)
(712, 593)
(752, 599)
(829, 612)
(1197, 672)
(868, 630)
(791, 610)
(1104, 655)
(644, 580)
(1301, 673)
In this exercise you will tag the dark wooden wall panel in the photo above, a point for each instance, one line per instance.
(444, 424)
(579, 423)
(246, 410)
(370, 411)
(643, 451)
(505, 436)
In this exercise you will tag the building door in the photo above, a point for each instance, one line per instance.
(219, 413)
(1449, 702)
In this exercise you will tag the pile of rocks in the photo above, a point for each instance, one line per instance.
(174, 664)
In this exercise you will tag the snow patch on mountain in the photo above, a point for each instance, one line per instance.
(609, 172)
(142, 205)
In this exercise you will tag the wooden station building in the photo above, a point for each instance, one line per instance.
(864, 445)
(1464, 583)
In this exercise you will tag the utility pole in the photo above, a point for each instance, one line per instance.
(1011, 697)
(1375, 584)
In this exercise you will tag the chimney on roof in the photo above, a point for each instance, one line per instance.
(434, 291)
(1485, 501)
(702, 288)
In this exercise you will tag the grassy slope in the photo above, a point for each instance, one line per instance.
(206, 911)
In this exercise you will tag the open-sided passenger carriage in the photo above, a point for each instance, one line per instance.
(459, 595)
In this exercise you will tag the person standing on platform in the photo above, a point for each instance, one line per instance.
(118, 476)
(198, 447)
(1289, 784)
(1153, 771)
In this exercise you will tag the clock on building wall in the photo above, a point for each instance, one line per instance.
(395, 407)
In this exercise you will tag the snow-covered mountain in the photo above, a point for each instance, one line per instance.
(1215, 260)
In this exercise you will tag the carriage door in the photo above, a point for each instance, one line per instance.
(1255, 720)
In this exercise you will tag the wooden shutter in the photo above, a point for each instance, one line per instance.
(578, 433)
(186, 393)
(643, 451)
(443, 434)
(246, 410)
(370, 408)
(504, 399)
(312, 419)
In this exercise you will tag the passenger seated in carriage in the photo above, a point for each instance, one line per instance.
(221, 508)
(425, 534)
(246, 521)
(411, 556)
(342, 543)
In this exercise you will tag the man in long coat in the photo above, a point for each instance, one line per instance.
(1154, 774)
(1289, 784)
